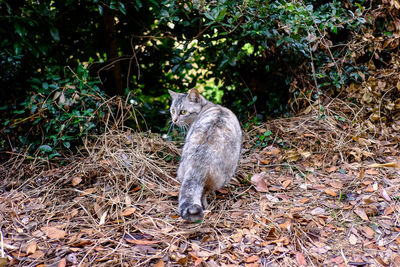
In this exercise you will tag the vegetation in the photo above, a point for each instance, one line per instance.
(262, 58)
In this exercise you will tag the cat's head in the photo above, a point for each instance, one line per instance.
(186, 107)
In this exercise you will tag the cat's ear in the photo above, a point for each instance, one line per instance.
(193, 95)
(173, 94)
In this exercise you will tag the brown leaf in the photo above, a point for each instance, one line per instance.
(286, 184)
(142, 241)
(371, 172)
(368, 231)
(301, 260)
(31, 248)
(62, 263)
(76, 180)
(387, 165)
(128, 211)
(361, 212)
(38, 254)
(251, 259)
(259, 182)
(330, 192)
(335, 184)
(160, 263)
(88, 191)
(53, 232)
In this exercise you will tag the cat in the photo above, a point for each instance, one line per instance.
(211, 151)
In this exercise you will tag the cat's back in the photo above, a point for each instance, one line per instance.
(215, 137)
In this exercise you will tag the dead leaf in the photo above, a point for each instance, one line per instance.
(368, 231)
(385, 195)
(286, 184)
(88, 191)
(38, 254)
(31, 248)
(301, 260)
(142, 241)
(259, 182)
(336, 185)
(251, 259)
(383, 165)
(62, 262)
(103, 218)
(160, 263)
(353, 239)
(331, 192)
(76, 180)
(317, 211)
(361, 212)
(371, 172)
(128, 211)
(53, 232)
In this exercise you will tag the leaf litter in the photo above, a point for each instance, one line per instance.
(314, 196)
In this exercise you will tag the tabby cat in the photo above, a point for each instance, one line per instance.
(211, 151)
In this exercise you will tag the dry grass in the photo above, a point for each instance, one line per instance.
(117, 204)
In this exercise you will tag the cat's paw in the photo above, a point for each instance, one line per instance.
(191, 212)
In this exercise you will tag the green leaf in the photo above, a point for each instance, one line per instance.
(54, 33)
(17, 48)
(20, 29)
(46, 148)
(67, 144)
(122, 8)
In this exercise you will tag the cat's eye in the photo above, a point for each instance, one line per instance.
(183, 112)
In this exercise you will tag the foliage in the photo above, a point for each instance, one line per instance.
(262, 45)
(61, 109)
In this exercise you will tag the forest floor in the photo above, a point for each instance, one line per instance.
(310, 191)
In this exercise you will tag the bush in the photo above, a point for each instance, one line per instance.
(63, 107)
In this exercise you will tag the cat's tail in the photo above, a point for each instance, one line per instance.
(190, 194)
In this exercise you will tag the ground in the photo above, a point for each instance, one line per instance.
(310, 190)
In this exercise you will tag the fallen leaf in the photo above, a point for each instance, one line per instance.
(72, 214)
(88, 191)
(62, 263)
(53, 232)
(128, 211)
(103, 218)
(251, 259)
(330, 192)
(361, 212)
(387, 165)
(259, 182)
(368, 231)
(385, 195)
(337, 185)
(76, 180)
(160, 263)
(31, 248)
(142, 241)
(301, 260)
(353, 239)
(38, 254)
(371, 172)
(317, 211)
(286, 184)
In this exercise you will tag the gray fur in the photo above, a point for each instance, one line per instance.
(211, 151)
